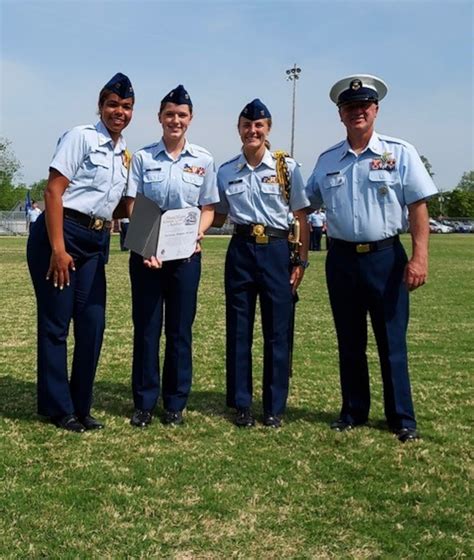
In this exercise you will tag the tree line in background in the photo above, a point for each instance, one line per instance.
(457, 203)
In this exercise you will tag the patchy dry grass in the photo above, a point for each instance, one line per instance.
(210, 491)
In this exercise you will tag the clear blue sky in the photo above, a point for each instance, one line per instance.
(55, 57)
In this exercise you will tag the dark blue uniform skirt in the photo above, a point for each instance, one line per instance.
(371, 283)
(84, 302)
(253, 270)
(173, 287)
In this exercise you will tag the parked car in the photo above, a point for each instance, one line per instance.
(438, 227)
(461, 227)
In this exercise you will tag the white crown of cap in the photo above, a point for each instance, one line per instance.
(367, 80)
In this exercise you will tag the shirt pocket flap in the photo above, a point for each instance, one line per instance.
(99, 159)
(333, 181)
(235, 189)
(382, 175)
(270, 189)
(153, 176)
(193, 179)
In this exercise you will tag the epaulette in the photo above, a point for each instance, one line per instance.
(200, 149)
(338, 145)
(230, 160)
(392, 140)
(149, 146)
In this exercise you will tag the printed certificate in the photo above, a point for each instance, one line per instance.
(167, 235)
(178, 233)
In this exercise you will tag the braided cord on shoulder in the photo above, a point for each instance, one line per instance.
(283, 173)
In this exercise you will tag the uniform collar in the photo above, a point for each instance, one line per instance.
(104, 137)
(267, 160)
(188, 148)
(374, 145)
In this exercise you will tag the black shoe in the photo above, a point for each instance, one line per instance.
(271, 421)
(173, 417)
(69, 423)
(244, 418)
(341, 425)
(90, 423)
(141, 418)
(407, 434)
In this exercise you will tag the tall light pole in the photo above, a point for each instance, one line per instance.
(292, 75)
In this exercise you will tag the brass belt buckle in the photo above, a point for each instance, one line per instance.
(258, 231)
(97, 224)
(363, 248)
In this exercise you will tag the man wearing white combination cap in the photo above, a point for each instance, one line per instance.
(371, 186)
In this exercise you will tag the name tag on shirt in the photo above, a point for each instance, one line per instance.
(235, 181)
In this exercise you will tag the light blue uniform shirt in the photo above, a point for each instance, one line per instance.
(366, 195)
(253, 196)
(186, 182)
(86, 155)
(317, 219)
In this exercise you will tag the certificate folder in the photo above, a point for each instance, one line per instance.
(166, 235)
(144, 227)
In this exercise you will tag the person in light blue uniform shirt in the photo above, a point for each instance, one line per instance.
(174, 174)
(258, 264)
(67, 250)
(372, 185)
(317, 221)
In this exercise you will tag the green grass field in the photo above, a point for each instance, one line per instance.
(207, 490)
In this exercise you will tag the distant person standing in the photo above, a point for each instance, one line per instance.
(67, 251)
(369, 185)
(33, 214)
(124, 223)
(317, 222)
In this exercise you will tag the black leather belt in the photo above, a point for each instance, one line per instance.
(369, 247)
(260, 233)
(90, 222)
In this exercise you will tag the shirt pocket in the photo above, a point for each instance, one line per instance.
(191, 188)
(334, 191)
(382, 185)
(270, 189)
(233, 190)
(154, 185)
(96, 171)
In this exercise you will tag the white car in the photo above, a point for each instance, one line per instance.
(437, 227)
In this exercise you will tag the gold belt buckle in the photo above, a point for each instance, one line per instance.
(363, 248)
(97, 224)
(258, 231)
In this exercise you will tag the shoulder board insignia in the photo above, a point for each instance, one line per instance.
(230, 160)
(338, 145)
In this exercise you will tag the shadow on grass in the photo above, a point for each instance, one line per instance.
(18, 401)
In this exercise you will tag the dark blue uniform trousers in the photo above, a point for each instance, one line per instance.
(84, 302)
(371, 283)
(173, 287)
(253, 270)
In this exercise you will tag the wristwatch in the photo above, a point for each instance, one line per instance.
(301, 262)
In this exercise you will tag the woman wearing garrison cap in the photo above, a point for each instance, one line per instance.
(174, 174)
(257, 190)
(67, 250)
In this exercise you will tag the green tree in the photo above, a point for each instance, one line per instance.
(436, 205)
(428, 166)
(460, 203)
(467, 181)
(9, 171)
(37, 189)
